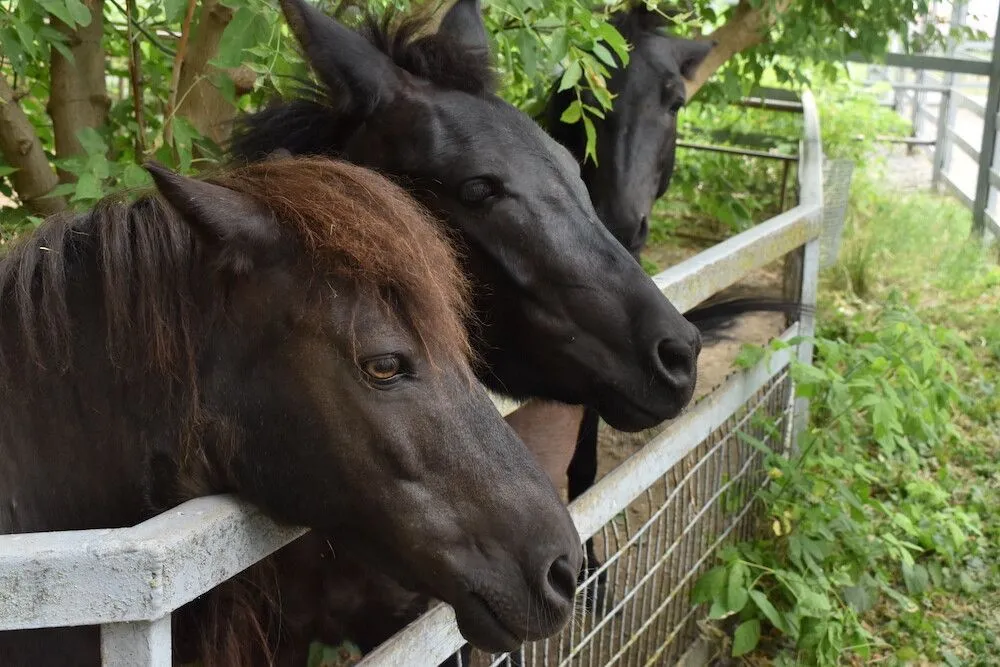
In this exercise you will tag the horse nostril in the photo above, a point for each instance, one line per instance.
(562, 578)
(677, 360)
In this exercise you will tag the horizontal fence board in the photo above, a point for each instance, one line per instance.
(140, 573)
(960, 143)
(955, 190)
(435, 637)
(939, 63)
(966, 102)
(692, 281)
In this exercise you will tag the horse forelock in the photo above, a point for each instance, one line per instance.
(361, 226)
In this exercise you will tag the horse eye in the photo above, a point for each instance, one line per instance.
(382, 369)
(478, 190)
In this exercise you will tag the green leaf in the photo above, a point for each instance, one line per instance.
(768, 610)
(916, 577)
(746, 637)
(602, 52)
(858, 598)
(615, 40)
(527, 45)
(134, 176)
(710, 586)
(237, 36)
(88, 187)
(92, 141)
(591, 151)
(174, 9)
(6, 170)
(736, 589)
(58, 9)
(572, 113)
(79, 12)
(571, 76)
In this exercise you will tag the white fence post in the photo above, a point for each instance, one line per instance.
(947, 108)
(138, 644)
(811, 193)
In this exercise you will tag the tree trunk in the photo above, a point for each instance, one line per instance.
(22, 150)
(79, 96)
(745, 29)
(198, 99)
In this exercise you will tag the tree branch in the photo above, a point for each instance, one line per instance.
(135, 79)
(138, 26)
(79, 96)
(175, 75)
(200, 101)
(22, 149)
(746, 28)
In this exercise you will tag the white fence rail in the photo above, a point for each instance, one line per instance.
(130, 580)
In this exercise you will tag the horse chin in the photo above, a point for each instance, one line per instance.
(481, 627)
(630, 417)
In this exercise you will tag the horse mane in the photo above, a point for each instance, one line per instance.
(369, 230)
(317, 121)
(440, 59)
(355, 224)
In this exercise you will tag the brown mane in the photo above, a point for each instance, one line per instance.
(354, 222)
(370, 230)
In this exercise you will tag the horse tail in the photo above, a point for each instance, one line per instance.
(714, 320)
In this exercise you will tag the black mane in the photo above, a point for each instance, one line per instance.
(317, 122)
(443, 61)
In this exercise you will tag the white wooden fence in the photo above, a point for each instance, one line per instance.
(952, 101)
(696, 482)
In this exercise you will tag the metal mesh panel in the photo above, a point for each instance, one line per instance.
(653, 552)
(836, 191)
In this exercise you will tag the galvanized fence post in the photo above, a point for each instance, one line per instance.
(138, 644)
(988, 150)
(946, 110)
(811, 192)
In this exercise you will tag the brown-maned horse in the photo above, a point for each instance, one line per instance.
(290, 331)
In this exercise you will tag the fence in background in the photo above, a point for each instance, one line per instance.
(952, 100)
(657, 519)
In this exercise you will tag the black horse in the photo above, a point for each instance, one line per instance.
(561, 309)
(292, 332)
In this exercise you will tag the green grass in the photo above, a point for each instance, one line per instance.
(887, 549)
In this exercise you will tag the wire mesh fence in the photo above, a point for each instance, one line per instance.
(636, 609)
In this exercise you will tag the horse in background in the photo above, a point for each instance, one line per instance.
(561, 311)
(292, 332)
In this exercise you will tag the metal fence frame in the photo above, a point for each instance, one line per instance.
(130, 580)
(920, 79)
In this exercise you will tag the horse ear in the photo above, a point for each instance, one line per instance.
(239, 227)
(690, 54)
(343, 59)
(464, 23)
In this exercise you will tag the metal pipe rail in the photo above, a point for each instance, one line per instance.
(129, 580)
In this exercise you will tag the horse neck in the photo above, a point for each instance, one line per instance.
(82, 444)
